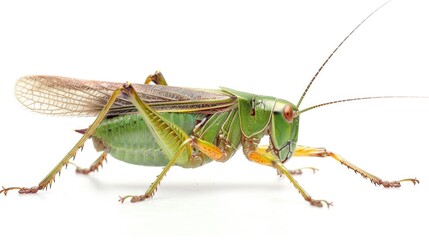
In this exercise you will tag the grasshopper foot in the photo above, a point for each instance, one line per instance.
(299, 171)
(133, 199)
(21, 190)
(396, 184)
(94, 166)
(84, 171)
(320, 203)
(34, 189)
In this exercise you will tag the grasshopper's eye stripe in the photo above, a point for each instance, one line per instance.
(288, 113)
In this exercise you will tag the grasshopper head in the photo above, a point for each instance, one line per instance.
(283, 129)
(262, 114)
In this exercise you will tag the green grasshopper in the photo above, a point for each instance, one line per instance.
(160, 125)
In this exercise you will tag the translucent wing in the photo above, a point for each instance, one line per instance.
(74, 97)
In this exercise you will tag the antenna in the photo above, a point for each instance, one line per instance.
(356, 99)
(335, 50)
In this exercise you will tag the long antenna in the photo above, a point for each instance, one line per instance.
(355, 99)
(333, 52)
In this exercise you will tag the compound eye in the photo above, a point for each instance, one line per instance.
(288, 113)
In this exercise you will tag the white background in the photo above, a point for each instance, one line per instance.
(265, 47)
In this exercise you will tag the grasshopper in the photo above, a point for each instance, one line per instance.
(160, 125)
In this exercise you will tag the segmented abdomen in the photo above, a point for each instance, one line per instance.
(129, 139)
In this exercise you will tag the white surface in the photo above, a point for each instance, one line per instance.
(266, 47)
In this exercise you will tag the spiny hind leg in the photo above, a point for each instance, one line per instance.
(260, 156)
(172, 140)
(156, 78)
(302, 151)
(50, 178)
(94, 166)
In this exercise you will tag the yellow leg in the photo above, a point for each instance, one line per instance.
(210, 150)
(302, 151)
(263, 150)
(268, 160)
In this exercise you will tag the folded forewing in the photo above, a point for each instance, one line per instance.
(64, 96)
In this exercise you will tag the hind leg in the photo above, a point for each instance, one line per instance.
(50, 178)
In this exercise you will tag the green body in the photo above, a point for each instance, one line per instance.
(128, 138)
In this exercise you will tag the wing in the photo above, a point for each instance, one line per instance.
(64, 96)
